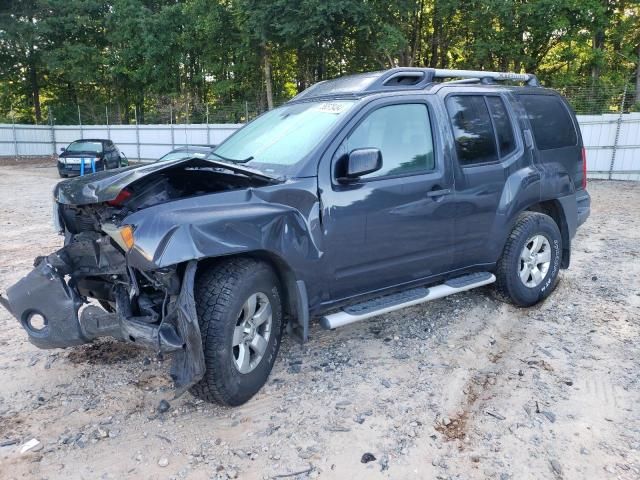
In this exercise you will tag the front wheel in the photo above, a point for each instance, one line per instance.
(240, 315)
(528, 269)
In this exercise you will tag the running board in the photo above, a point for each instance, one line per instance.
(407, 298)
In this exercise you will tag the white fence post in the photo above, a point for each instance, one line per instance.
(15, 138)
(80, 123)
(135, 111)
(208, 131)
(173, 142)
(106, 116)
(53, 133)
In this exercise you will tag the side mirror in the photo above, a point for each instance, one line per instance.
(360, 162)
(62, 149)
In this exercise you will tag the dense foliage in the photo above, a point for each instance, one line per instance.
(133, 55)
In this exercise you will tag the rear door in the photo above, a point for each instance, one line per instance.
(487, 150)
(392, 226)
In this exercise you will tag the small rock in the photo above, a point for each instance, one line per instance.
(594, 278)
(446, 421)
(609, 469)
(146, 361)
(584, 451)
(368, 457)
(343, 404)
(163, 462)
(32, 445)
(386, 383)
(556, 467)
(359, 418)
(293, 369)
(163, 406)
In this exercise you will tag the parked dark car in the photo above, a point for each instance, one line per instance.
(103, 153)
(188, 151)
(360, 196)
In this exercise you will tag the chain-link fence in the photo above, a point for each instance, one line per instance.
(165, 110)
(602, 99)
(153, 111)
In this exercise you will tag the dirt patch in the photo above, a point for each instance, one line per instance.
(23, 161)
(105, 352)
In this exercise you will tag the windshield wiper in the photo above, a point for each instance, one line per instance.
(232, 160)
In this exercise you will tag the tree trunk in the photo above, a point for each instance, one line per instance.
(435, 39)
(266, 57)
(597, 47)
(35, 89)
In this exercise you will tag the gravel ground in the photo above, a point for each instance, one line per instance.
(461, 388)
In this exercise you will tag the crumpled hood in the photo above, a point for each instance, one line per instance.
(105, 186)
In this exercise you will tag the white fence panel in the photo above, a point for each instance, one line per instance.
(612, 138)
(606, 137)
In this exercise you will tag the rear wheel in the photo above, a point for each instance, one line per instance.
(240, 316)
(528, 269)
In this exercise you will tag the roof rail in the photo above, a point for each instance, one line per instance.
(528, 78)
(405, 78)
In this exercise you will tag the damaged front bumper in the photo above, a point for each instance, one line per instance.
(48, 304)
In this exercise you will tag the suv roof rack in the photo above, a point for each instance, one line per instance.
(529, 78)
(411, 78)
(406, 78)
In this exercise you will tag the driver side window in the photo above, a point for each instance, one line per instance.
(402, 133)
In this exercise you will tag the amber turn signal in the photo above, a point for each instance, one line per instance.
(126, 233)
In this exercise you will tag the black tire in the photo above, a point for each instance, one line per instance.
(509, 286)
(220, 293)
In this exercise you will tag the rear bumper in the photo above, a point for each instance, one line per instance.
(583, 201)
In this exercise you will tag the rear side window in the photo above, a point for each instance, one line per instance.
(472, 129)
(502, 124)
(550, 120)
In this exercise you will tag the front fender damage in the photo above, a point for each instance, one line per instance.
(188, 363)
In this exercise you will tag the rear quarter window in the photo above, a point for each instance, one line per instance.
(550, 120)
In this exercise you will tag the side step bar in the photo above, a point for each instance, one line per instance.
(396, 301)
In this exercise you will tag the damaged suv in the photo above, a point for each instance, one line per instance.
(362, 195)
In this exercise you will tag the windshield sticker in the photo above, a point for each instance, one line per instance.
(332, 107)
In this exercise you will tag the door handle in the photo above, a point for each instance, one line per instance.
(439, 193)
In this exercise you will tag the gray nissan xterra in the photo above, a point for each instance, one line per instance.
(362, 195)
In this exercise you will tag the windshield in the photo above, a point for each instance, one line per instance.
(181, 154)
(85, 147)
(284, 136)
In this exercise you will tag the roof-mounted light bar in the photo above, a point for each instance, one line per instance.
(528, 78)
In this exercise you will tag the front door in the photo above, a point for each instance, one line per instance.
(392, 226)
